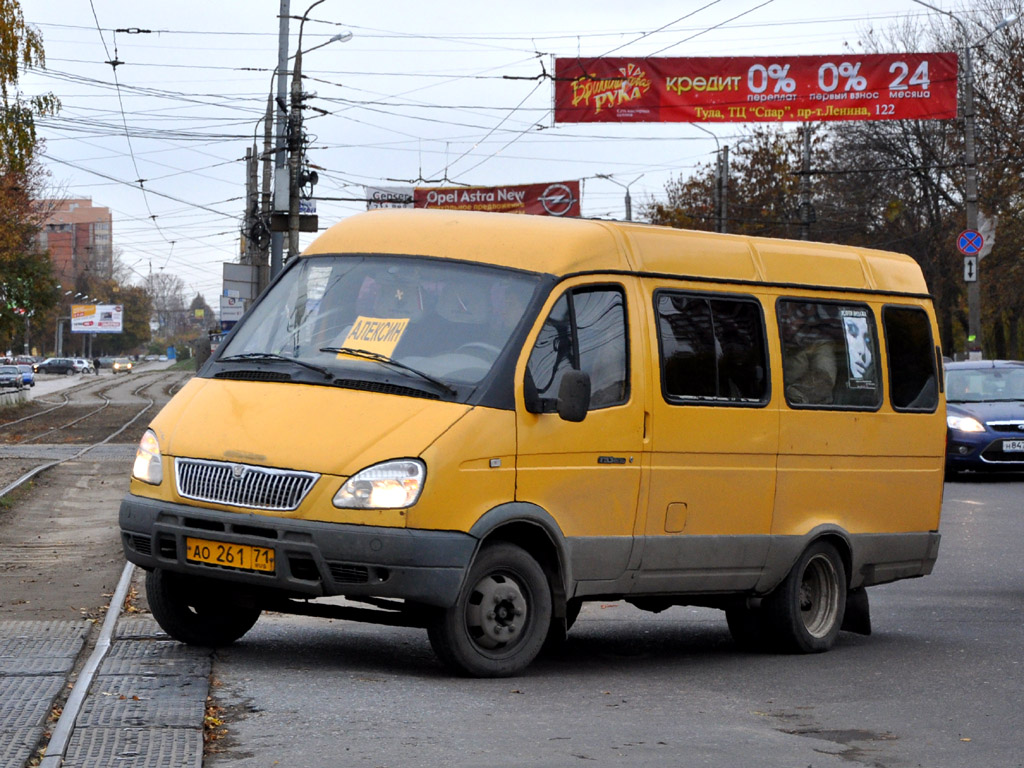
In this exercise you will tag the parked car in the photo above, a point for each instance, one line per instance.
(10, 377)
(985, 416)
(82, 365)
(121, 365)
(28, 376)
(62, 365)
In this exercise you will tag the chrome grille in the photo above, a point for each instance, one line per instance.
(242, 485)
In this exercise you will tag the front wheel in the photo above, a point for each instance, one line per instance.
(501, 618)
(188, 610)
(805, 612)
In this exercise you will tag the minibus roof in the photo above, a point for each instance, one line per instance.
(569, 246)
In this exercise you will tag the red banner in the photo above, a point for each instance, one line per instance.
(556, 199)
(905, 86)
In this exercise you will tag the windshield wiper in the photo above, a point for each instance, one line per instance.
(271, 356)
(379, 358)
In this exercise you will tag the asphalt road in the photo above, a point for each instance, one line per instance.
(938, 684)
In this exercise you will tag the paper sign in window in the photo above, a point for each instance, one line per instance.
(376, 334)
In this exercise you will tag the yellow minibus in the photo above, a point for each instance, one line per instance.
(474, 422)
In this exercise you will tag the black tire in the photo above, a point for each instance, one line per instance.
(192, 612)
(501, 618)
(70, 372)
(805, 612)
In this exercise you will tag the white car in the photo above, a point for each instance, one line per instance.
(82, 365)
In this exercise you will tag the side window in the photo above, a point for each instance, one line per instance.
(829, 354)
(913, 383)
(711, 348)
(585, 331)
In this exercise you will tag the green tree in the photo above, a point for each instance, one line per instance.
(900, 185)
(27, 287)
(21, 47)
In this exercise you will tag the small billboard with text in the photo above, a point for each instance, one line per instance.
(97, 318)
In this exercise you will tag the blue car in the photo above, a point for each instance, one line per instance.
(985, 416)
(28, 376)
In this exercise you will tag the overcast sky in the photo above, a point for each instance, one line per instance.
(424, 91)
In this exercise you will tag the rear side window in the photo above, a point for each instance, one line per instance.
(712, 349)
(829, 354)
(913, 382)
(585, 331)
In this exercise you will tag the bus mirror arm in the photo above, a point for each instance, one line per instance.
(574, 396)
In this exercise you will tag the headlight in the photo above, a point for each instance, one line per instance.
(148, 466)
(389, 485)
(964, 424)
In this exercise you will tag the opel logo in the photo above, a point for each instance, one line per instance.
(557, 200)
(1021, 426)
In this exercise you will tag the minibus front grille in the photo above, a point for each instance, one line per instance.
(242, 485)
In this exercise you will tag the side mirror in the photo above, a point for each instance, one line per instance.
(574, 396)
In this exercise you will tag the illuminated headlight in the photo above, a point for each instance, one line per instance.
(390, 485)
(964, 424)
(148, 466)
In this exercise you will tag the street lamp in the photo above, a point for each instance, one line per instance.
(295, 133)
(629, 200)
(971, 172)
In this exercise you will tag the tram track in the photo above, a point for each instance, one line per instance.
(60, 553)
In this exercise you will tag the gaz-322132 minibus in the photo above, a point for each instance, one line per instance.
(473, 423)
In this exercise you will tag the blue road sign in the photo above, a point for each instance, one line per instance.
(969, 242)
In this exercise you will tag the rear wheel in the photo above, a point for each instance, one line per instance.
(501, 618)
(806, 610)
(188, 610)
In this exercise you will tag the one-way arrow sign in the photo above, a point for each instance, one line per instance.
(970, 269)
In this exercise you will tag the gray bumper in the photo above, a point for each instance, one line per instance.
(312, 559)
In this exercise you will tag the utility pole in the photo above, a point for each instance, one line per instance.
(250, 254)
(806, 209)
(263, 268)
(280, 186)
(629, 200)
(295, 149)
(723, 222)
(974, 347)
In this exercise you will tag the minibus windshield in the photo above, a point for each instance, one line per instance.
(441, 324)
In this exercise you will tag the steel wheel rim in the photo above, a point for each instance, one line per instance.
(497, 612)
(819, 596)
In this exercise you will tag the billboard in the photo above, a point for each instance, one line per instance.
(97, 318)
(556, 199)
(388, 197)
(905, 86)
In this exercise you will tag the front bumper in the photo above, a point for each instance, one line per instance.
(982, 452)
(312, 559)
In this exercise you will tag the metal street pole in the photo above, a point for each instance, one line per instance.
(629, 200)
(277, 238)
(295, 148)
(974, 346)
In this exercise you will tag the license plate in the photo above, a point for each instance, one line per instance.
(1013, 446)
(230, 555)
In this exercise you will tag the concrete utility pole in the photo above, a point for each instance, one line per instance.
(251, 254)
(629, 200)
(723, 219)
(266, 200)
(280, 188)
(806, 209)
